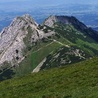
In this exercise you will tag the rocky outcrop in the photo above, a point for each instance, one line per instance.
(50, 21)
(11, 38)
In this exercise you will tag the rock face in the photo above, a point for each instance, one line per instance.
(50, 21)
(13, 39)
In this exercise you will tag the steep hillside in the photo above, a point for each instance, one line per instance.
(68, 30)
(75, 81)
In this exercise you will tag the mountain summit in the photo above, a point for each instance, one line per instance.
(12, 38)
(52, 20)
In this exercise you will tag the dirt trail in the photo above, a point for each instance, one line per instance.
(60, 43)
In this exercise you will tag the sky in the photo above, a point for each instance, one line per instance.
(23, 5)
(48, 2)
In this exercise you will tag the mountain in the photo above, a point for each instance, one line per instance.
(83, 41)
(26, 46)
(74, 22)
(75, 81)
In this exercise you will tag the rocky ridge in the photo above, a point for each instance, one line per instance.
(12, 38)
(52, 21)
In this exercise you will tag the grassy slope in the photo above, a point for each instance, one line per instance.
(75, 81)
(34, 58)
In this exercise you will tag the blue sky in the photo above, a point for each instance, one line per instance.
(27, 4)
(48, 2)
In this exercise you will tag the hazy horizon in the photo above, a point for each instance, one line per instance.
(14, 5)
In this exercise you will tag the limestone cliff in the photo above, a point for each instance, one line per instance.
(16, 37)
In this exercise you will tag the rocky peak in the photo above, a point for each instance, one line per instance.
(50, 21)
(9, 33)
(28, 18)
(71, 20)
(12, 38)
(23, 20)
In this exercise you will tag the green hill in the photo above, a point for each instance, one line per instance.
(75, 81)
